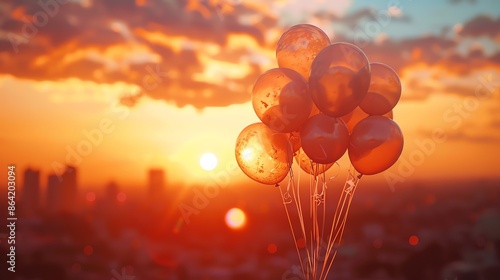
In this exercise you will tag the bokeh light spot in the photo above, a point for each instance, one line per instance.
(413, 240)
(272, 248)
(88, 250)
(235, 218)
(121, 197)
(90, 196)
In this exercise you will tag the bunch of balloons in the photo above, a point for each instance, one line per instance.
(323, 100)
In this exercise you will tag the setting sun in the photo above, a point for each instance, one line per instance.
(208, 161)
(235, 218)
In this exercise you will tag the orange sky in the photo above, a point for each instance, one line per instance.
(163, 94)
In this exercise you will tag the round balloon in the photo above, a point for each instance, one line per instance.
(384, 91)
(376, 144)
(309, 166)
(298, 47)
(295, 141)
(264, 155)
(339, 80)
(324, 139)
(356, 115)
(280, 99)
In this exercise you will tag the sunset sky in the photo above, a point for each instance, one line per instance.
(128, 85)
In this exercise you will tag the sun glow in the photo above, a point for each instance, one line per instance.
(208, 161)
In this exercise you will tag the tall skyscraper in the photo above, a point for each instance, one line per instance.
(53, 202)
(31, 191)
(111, 192)
(156, 182)
(69, 191)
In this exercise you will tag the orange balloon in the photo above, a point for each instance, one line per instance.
(356, 115)
(339, 80)
(384, 91)
(324, 139)
(295, 141)
(264, 155)
(280, 99)
(309, 166)
(298, 47)
(376, 144)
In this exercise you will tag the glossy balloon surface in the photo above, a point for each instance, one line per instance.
(264, 155)
(324, 139)
(298, 47)
(375, 145)
(339, 80)
(280, 99)
(384, 91)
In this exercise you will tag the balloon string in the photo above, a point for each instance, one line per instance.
(317, 198)
(292, 230)
(338, 212)
(287, 198)
(346, 197)
(335, 176)
(298, 206)
(324, 211)
(311, 218)
(315, 168)
(317, 195)
(315, 220)
(319, 214)
(343, 209)
(341, 231)
(339, 203)
(331, 239)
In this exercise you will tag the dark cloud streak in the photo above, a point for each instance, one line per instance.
(482, 25)
(75, 28)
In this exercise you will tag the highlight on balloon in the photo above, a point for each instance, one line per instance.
(325, 100)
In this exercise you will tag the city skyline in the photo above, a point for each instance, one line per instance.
(62, 193)
(142, 92)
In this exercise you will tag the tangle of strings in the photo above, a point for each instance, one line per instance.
(309, 214)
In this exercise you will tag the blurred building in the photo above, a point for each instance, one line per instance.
(156, 182)
(69, 191)
(31, 191)
(112, 190)
(53, 193)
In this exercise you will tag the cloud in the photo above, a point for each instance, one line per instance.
(115, 41)
(481, 138)
(299, 11)
(495, 124)
(431, 64)
(358, 19)
(401, 53)
(195, 53)
(463, 1)
(481, 25)
(471, 132)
